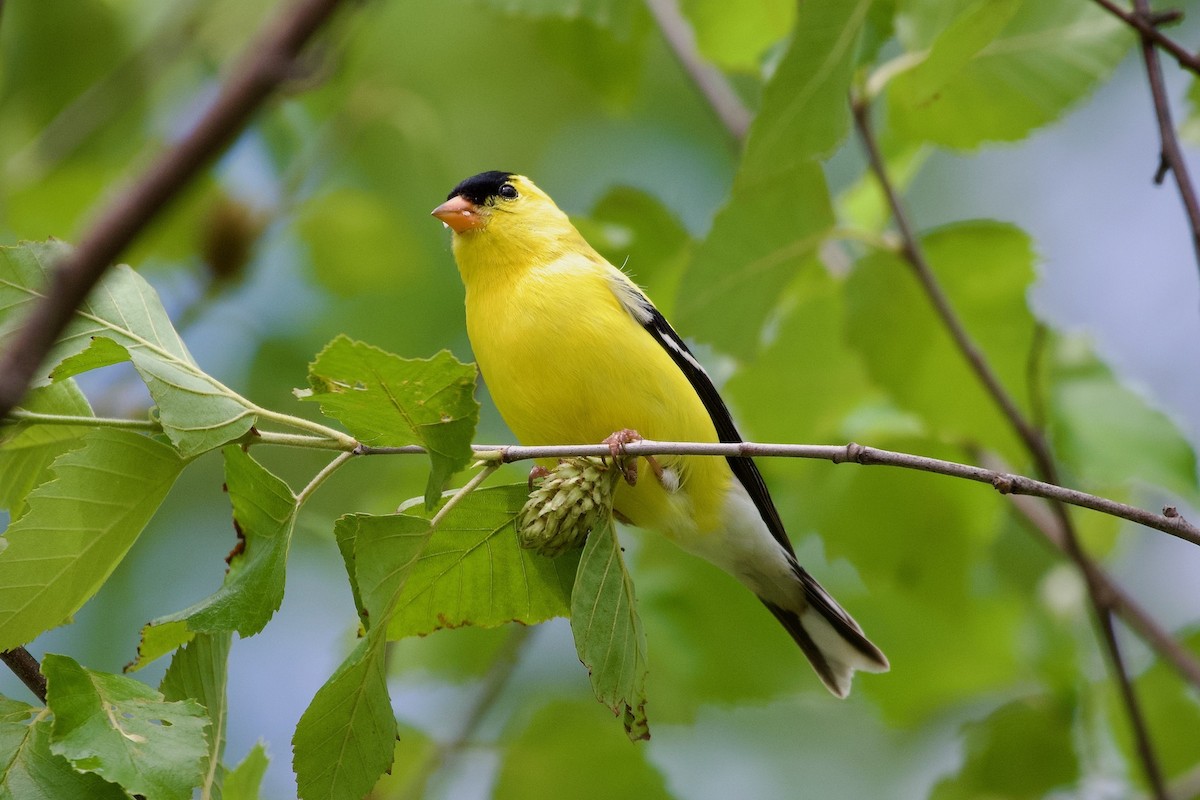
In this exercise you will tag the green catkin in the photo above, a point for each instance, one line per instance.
(566, 505)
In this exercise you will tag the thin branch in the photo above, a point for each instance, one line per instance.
(26, 667)
(711, 82)
(1146, 24)
(1029, 435)
(1171, 154)
(330, 468)
(459, 495)
(267, 63)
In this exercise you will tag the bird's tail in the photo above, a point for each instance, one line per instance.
(829, 637)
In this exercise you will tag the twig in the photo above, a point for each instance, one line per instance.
(1147, 24)
(458, 496)
(1030, 436)
(267, 63)
(26, 667)
(1171, 155)
(711, 82)
(330, 468)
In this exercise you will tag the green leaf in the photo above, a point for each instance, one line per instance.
(199, 671)
(125, 731)
(805, 110)
(985, 269)
(27, 450)
(470, 570)
(615, 14)
(608, 633)
(197, 412)
(78, 528)
(759, 242)
(568, 744)
(31, 772)
(1049, 55)
(1111, 437)
(1021, 751)
(780, 210)
(345, 738)
(735, 35)
(385, 400)
(264, 513)
(244, 781)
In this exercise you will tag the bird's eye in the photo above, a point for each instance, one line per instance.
(508, 191)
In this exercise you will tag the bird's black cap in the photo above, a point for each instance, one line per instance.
(479, 188)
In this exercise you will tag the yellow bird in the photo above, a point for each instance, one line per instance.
(573, 352)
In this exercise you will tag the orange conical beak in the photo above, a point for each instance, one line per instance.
(459, 213)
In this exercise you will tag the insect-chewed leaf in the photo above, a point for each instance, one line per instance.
(386, 400)
(32, 771)
(121, 319)
(78, 528)
(124, 731)
(608, 633)
(264, 511)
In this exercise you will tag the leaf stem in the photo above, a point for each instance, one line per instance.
(330, 468)
(458, 496)
(300, 423)
(22, 415)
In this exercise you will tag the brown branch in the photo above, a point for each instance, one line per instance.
(26, 667)
(266, 64)
(1031, 437)
(1171, 154)
(1146, 23)
(711, 82)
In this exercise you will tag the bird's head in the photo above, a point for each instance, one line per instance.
(501, 220)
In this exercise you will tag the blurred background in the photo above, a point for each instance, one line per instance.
(317, 223)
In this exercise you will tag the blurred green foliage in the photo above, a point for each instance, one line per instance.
(770, 255)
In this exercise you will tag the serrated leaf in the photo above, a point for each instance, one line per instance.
(31, 772)
(199, 671)
(197, 412)
(27, 450)
(608, 633)
(78, 528)
(386, 400)
(124, 731)
(345, 738)
(1049, 55)
(264, 513)
(469, 571)
(243, 781)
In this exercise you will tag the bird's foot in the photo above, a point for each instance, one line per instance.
(537, 473)
(617, 443)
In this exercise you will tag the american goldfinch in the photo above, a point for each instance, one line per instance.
(572, 351)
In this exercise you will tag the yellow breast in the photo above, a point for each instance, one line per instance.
(566, 364)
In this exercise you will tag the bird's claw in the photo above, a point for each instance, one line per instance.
(536, 473)
(616, 445)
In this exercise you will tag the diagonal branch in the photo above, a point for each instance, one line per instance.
(1146, 23)
(1171, 155)
(268, 62)
(25, 666)
(1032, 438)
(711, 82)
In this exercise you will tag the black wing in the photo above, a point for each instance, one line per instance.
(743, 467)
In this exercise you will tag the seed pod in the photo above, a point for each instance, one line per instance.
(566, 504)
